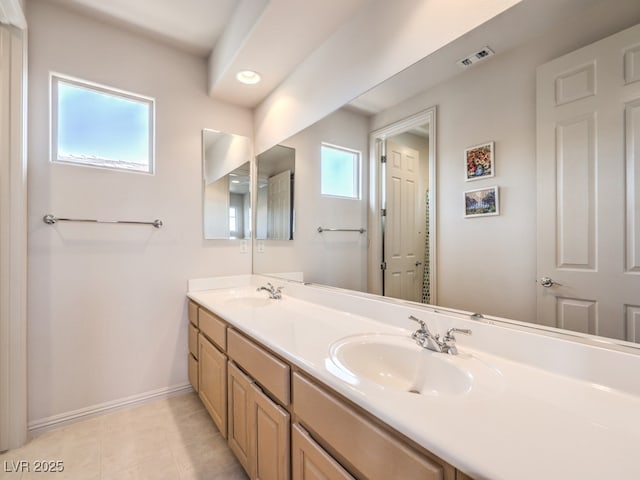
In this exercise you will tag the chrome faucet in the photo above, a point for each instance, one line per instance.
(275, 293)
(426, 339)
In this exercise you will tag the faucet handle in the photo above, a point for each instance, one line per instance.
(451, 331)
(423, 326)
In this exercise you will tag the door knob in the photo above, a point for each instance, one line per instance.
(548, 282)
(418, 264)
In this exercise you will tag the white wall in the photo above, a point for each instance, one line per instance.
(337, 258)
(381, 40)
(488, 264)
(107, 308)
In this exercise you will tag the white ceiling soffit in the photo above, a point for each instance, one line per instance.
(271, 38)
(381, 40)
(524, 22)
(193, 25)
(11, 13)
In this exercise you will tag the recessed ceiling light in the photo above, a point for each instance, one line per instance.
(248, 77)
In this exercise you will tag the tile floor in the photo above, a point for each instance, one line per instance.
(169, 439)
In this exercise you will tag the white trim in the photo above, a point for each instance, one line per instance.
(55, 421)
(13, 238)
(427, 116)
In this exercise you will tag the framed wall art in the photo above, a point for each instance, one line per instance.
(479, 162)
(481, 202)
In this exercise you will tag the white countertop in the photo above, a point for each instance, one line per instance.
(533, 423)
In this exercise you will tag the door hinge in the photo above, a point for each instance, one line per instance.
(383, 159)
(383, 266)
(383, 212)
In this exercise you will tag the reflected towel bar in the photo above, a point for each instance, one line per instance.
(50, 219)
(360, 230)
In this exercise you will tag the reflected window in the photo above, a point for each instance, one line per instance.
(98, 126)
(340, 172)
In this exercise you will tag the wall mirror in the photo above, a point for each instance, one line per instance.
(491, 264)
(226, 194)
(275, 195)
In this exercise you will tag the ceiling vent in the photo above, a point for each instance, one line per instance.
(481, 54)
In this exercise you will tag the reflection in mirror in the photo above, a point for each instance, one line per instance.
(333, 258)
(274, 202)
(226, 185)
(493, 264)
(403, 238)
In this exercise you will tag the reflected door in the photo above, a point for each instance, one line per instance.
(588, 155)
(279, 206)
(403, 245)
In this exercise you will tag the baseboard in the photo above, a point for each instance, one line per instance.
(42, 425)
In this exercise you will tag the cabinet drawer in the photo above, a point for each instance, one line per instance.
(309, 461)
(266, 369)
(193, 312)
(193, 340)
(368, 449)
(193, 372)
(213, 327)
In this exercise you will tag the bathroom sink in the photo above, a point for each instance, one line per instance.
(250, 301)
(397, 362)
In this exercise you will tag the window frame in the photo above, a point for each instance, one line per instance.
(55, 79)
(357, 174)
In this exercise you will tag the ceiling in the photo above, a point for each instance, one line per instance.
(270, 37)
(273, 37)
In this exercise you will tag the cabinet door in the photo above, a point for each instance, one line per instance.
(193, 340)
(240, 400)
(310, 462)
(213, 382)
(193, 372)
(271, 442)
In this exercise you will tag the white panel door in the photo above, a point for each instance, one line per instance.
(403, 243)
(588, 155)
(279, 206)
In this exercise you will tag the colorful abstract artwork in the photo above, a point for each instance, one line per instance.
(479, 161)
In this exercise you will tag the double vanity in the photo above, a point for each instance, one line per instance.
(325, 383)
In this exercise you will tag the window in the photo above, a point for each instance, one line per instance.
(101, 127)
(340, 172)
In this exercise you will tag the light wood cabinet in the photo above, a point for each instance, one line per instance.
(193, 313)
(252, 396)
(310, 462)
(193, 373)
(239, 404)
(258, 429)
(213, 328)
(270, 372)
(377, 454)
(192, 362)
(212, 377)
(462, 476)
(271, 442)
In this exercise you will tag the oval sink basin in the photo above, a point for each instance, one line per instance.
(250, 302)
(397, 362)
